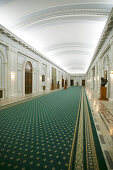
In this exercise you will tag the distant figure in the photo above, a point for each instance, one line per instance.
(77, 83)
(52, 85)
(58, 85)
(65, 85)
(103, 82)
(52, 82)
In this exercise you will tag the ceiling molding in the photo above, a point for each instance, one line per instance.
(60, 20)
(66, 52)
(60, 12)
(65, 31)
(66, 45)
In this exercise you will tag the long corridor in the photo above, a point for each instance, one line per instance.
(55, 131)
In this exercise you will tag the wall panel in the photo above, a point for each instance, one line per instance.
(19, 80)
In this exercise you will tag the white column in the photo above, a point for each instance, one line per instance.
(95, 77)
(48, 78)
(91, 79)
(12, 70)
(40, 76)
(68, 81)
(110, 83)
(99, 74)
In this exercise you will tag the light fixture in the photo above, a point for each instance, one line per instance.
(111, 130)
(111, 71)
(12, 75)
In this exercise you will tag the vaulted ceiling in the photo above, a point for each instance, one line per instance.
(65, 31)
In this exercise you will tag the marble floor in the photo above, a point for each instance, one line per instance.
(103, 118)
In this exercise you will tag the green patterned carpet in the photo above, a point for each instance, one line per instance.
(38, 134)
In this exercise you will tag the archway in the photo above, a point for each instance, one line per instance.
(28, 78)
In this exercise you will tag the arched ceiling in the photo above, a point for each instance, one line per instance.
(65, 31)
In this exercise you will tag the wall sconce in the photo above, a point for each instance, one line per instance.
(97, 77)
(12, 75)
(111, 71)
(48, 79)
(40, 77)
(111, 130)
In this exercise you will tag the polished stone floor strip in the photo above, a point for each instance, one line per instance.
(104, 124)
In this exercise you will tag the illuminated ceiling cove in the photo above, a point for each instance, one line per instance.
(65, 31)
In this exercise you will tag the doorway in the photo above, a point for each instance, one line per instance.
(62, 82)
(28, 78)
(72, 82)
(83, 82)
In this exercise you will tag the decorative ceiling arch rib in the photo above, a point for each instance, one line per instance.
(68, 45)
(60, 13)
(67, 52)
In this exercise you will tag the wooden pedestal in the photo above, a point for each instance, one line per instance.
(58, 86)
(103, 92)
(52, 86)
(65, 87)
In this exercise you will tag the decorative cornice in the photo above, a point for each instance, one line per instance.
(106, 32)
(16, 39)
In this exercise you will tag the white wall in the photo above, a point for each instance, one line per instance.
(13, 58)
(103, 61)
(77, 78)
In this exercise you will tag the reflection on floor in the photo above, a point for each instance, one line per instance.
(25, 134)
(103, 117)
(21, 98)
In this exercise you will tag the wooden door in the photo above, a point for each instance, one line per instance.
(28, 78)
(83, 82)
(54, 77)
(72, 82)
(62, 82)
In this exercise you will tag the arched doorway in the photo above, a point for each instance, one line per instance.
(28, 78)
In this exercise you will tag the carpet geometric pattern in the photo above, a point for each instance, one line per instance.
(38, 134)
